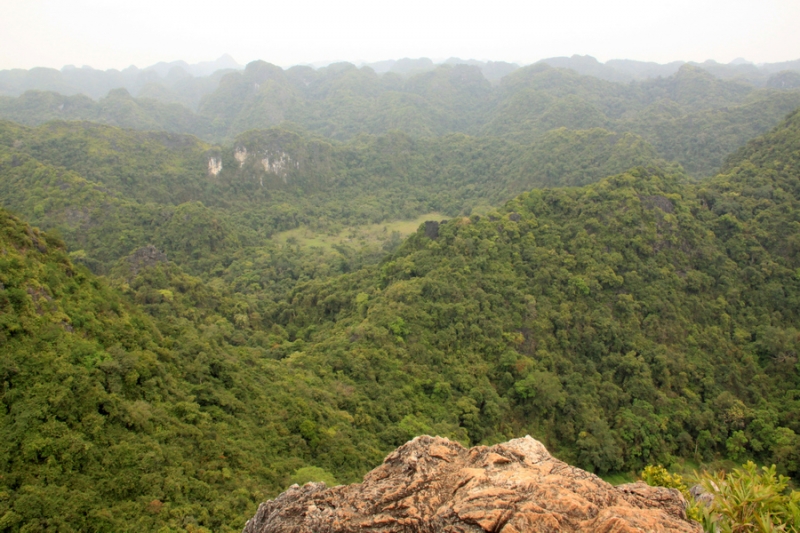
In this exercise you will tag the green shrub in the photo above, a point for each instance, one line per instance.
(751, 500)
(658, 476)
(308, 474)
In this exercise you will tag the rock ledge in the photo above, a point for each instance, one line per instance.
(431, 484)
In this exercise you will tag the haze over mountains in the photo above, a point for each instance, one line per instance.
(683, 115)
(94, 83)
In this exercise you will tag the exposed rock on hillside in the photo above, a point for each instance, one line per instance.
(146, 256)
(434, 485)
(431, 229)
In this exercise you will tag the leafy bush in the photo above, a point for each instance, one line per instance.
(658, 476)
(309, 474)
(749, 499)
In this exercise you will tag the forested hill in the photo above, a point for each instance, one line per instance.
(113, 420)
(89, 182)
(623, 322)
(690, 117)
(635, 320)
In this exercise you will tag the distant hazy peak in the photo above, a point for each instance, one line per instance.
(204, 68)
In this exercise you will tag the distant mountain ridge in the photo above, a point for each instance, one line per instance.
(203, 68)
(173, 82)
(690, 117)
(617, 70)
(174, 76)
(493, 71)
(694, 115)
(627, 70)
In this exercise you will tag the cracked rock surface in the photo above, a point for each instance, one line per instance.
(431, 484)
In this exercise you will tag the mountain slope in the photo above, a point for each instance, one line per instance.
(624, 322)
(115, 420)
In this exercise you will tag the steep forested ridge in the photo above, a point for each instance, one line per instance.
(114, 420)
(89, 394)
(630, 321)
(624, 322)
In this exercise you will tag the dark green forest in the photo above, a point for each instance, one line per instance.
(167, 363)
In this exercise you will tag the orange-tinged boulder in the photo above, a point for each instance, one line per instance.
(434, 485)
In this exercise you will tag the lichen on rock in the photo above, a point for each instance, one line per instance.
(431, 484)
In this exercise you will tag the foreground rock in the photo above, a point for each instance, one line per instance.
(437, 486)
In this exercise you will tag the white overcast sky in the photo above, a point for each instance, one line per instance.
(119, 33)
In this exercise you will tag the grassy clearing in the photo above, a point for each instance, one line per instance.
(686, 468)
(355, 236)
(618, 478)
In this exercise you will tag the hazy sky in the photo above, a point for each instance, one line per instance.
(118, 33)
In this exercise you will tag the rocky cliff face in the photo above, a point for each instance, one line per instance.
(433, 485)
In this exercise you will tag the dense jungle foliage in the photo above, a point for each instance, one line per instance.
(689, 116)
(114, 420)
(166, 364)
(745, 498)
(636, 318)
(90, 182)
